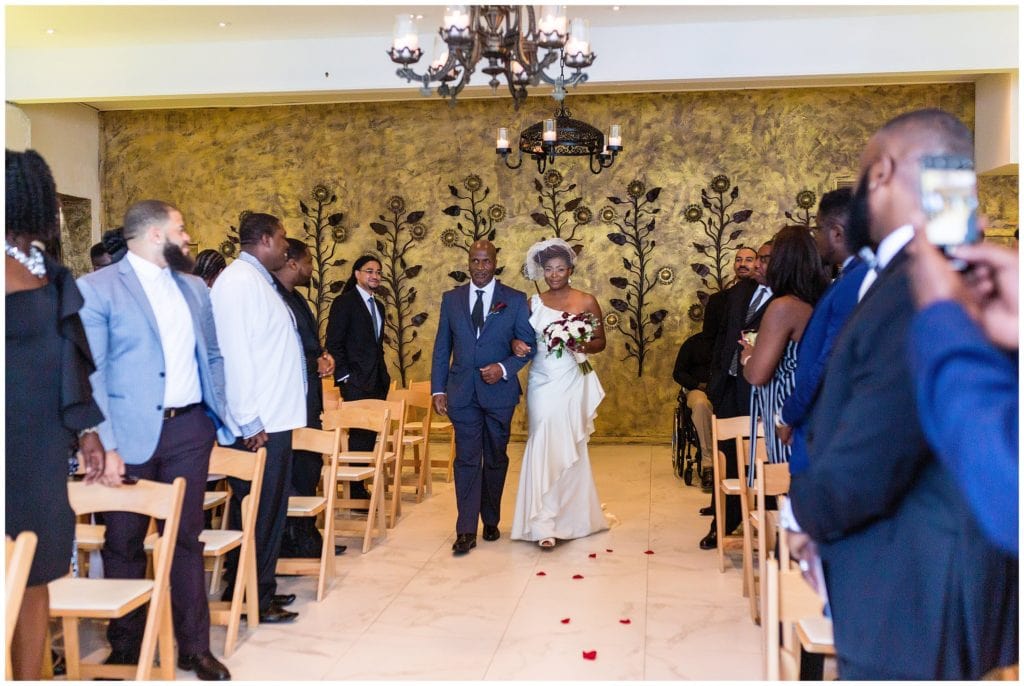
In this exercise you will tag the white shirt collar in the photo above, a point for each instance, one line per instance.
(366, 295)
(488, 289)
(145, 269)
(892, 244)
(845, 264)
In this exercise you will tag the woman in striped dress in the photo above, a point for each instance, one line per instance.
(797, 279)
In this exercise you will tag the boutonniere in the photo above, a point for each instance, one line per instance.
(496, 308)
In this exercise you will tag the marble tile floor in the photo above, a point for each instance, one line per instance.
(409, 610)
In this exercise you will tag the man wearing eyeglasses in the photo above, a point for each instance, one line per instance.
(355, 338)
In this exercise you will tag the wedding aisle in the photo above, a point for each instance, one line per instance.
(409, 610)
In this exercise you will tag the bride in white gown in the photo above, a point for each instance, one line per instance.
(557, 498)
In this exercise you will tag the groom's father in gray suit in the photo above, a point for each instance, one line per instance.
(159, 380)
(473, 381)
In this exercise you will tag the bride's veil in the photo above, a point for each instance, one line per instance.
(533, 269)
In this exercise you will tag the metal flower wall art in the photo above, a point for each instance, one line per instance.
(634, 232)
(564, 217)
(805, 200)
(717, 240)
(324, 231)
(398, 233)
(481, 220)
(230, 245)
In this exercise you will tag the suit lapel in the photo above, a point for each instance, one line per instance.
(134, 286)
(461, 295)
(497, 297)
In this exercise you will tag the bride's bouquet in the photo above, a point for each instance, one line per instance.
(568, 334)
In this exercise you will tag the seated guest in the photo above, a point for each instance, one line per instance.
(830, 314)
(797, 280)
(301, 537)
(692, 371)
(209, 265)
(99, 257)
(963, 354)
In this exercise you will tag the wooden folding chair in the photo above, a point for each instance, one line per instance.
(332, 396)
(219, 499)
(75, 599)
(737, 430)
(246, 466)
(19, 564)
(748, 511)
(772, 480)
(438, 425)
(417, 440)
(327, 444)
(791, 605)
(393, 452)
(377, 419)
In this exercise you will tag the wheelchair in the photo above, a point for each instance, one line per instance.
(685, 443)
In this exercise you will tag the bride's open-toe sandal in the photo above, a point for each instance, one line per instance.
(546, 543)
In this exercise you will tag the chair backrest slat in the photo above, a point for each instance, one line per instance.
(148, 498)
(321, 441)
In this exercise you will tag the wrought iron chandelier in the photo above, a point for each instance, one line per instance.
(562, 135)
(507, 37)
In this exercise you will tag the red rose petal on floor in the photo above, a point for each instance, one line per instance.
(609, 550)
(542, 573)
(577, 576)
(592, 555)
(648, 552)
(589, 654)
(565, 621)
(625, 621)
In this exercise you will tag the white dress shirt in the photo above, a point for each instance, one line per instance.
(887, 249)
(488, 290)
(176, 331)
(264, 367)
(761, 288)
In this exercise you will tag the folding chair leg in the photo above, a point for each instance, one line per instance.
(166, 643)
(72, 655)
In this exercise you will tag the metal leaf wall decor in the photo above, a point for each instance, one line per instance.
(717, 240)
(564, 217)
(324, 230)
(230, 246)
(805, 200)
(634, 232)
(482, 220)
(398, 232)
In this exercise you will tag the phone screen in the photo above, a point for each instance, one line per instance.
(949, 197)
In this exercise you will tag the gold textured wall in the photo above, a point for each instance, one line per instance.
(215, 163)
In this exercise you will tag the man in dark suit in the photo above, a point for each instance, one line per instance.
(728, 390)
(355, 337)
(473, 381)
(301, 537)
(159, 381)
(915, 590)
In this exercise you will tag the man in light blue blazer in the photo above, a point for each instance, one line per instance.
(473, 381)
(159, 381)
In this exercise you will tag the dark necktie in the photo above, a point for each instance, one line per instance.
(373, 315)
(734, 364)
(478, 312)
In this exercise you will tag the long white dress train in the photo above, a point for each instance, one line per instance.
(557, 497)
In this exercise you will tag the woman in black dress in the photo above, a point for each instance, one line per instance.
(49, 399)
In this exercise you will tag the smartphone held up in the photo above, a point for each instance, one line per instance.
(949, 198)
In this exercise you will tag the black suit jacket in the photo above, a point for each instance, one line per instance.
(357, 352)
(915, 591)
(305, 320)
(730, 395)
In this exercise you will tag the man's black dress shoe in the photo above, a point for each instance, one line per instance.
(284, 600)
(205, 665)
(709, 542)
(491, 533)
(339, 549)
(707, 511)
(464, 543)
(277, 615)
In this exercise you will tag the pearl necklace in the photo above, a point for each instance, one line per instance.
(33, 261)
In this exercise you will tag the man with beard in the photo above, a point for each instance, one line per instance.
(159, 381)
(265, 381)
(745, 303)
(915, 589)
(301, 537)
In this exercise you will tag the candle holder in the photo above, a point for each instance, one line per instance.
(405, 56)
(562, 136)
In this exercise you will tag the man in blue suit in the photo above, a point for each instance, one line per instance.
(473, 381)
(159, 381)
(830, 314)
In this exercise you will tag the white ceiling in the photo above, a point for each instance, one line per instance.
(82, 26)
